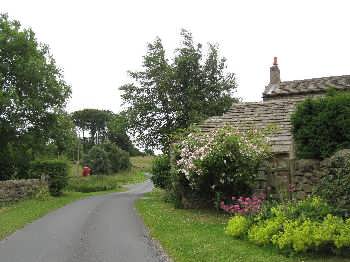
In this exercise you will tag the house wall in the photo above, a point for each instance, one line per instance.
(283, 177)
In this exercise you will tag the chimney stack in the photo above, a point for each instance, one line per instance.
(274, 73)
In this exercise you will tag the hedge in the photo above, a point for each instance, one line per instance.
(55, 170)
(321, 125)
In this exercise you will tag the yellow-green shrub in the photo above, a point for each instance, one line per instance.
(343, 239)
(296, 235)
(262, 233)
(237, 226)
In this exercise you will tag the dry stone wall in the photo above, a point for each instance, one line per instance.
(287, 178)
(14, 190)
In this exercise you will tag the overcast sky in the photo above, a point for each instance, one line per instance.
(96, 42)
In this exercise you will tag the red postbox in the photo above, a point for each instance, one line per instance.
(86, 171)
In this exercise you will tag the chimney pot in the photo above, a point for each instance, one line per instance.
(275, 61)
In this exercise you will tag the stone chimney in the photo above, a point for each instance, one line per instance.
(274, 73)
(275, 79)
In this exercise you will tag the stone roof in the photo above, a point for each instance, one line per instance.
(306, 86)
(258, 115)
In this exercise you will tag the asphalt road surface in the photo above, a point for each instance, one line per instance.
(97, 229)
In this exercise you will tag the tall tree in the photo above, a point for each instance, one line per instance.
(32, 92)
(166, 96)
(118, 133)
(93, 122)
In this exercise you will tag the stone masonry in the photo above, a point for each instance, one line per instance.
(14, 190)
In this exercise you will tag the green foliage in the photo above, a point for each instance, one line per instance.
(55, 170)
(237, 226)
(300, 226)
(118, 158)
(310, 208)
(332, 234)
(98, 160)
(103, 125)
(32, 93)
(334, 185)
(166, 96)
(191, 235)
(262, 232)
(63, 135)
(223, 162)
(117, 133)
(161, 171)
(94, 122)
(92, 184)
(320, 125)
(295, 235)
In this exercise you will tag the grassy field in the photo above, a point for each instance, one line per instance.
(197, 235)
(16, 215)
(139, 165)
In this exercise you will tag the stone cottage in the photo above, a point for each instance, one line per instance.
(279, 101)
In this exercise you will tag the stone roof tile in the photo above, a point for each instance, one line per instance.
(259, 115)
(307, 86)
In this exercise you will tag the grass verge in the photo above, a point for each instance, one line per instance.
(197, 235)
(15, 215)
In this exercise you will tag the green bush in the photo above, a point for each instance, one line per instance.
(299, 226)
(161, 171)
(237, 226)
(98, 160)
(310, 208)
(118, 158)
(92, 184)
(332, 234)
(55, 170)
(262, 233)
(335, 184)
(321, 125)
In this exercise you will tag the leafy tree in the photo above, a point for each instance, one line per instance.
(98, 159)
(117, 133)
(63, 135)
(102, 125)
(118, 158)
(94, 122)
(166, 96)
(32, 92)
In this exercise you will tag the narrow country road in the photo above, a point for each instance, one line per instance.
(97, 229)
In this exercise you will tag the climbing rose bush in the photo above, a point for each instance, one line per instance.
(221, 163)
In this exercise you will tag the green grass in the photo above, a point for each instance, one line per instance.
(16, 215)
(197, 235)
(95, 183)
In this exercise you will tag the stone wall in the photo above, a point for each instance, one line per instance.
(286, 178)
(14, 190)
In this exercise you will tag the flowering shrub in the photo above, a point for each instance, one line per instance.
(222, 162)
(243, 205)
